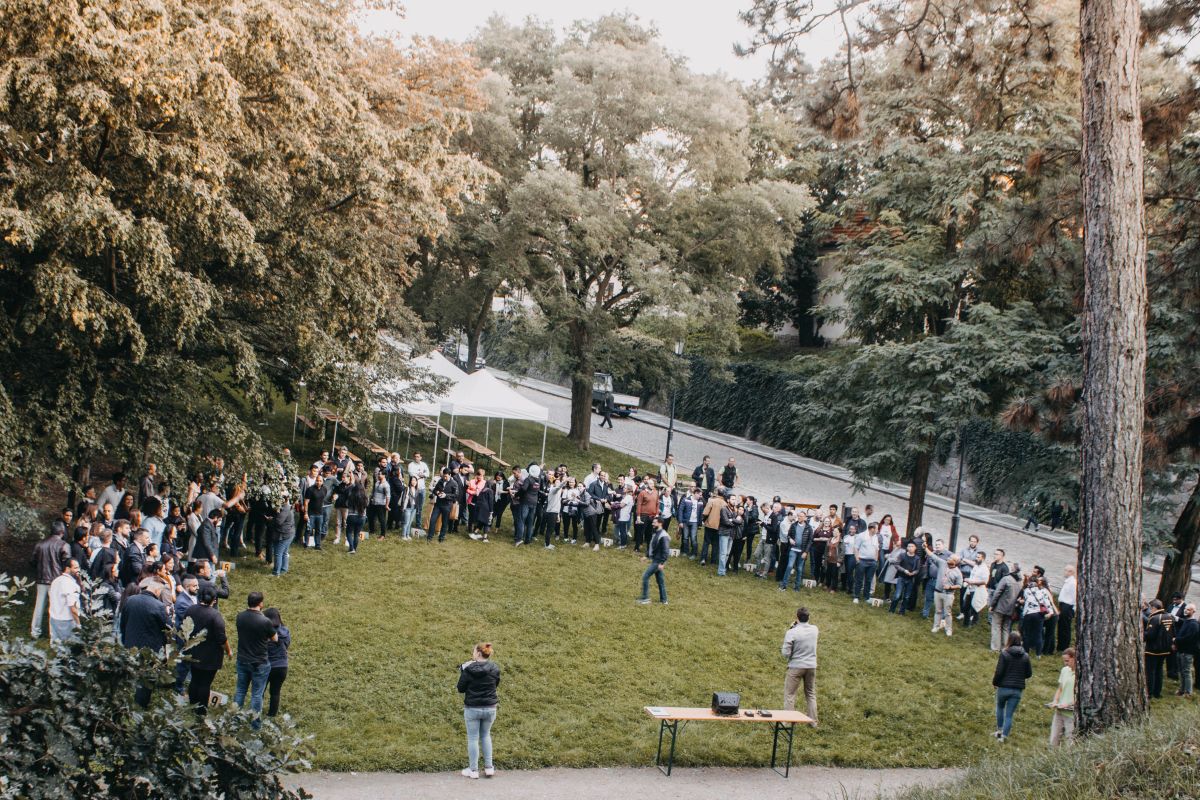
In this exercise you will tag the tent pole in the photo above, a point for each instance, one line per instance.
(407, 440)
(487, 430)
(450, 444)
(502, 437)
(436, 432)
(336, 420)
(543, 461)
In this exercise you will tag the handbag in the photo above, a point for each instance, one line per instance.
(454, 512)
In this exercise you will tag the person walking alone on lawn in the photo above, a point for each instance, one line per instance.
(1012, 670)
(800, 650)
(657, 551)
(478, 680)
(1062, 724)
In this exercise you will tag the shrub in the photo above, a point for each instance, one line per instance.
(69, 726)
(1157, 759)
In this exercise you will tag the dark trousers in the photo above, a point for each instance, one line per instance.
(848, 569)
(1031, 633)
(258, 532)
(502, 502)
(439, 521)
(550, 525)
(784, 553)
(1154, 675)
(817, 557)
(710, 541)
(570, 526)
(395, 517)
(354, 526)
(904, 588)
(970, 615)
(274, 685)
(231, 532)
(376, 515)
(642, 531)
(735, 554)
(199, 689)
(591, 531)
(1049, 635)
(607, 419)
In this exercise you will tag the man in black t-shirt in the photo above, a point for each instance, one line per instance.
(253, 666)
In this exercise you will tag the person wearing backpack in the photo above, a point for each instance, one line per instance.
(658, 551)
(1159, 637)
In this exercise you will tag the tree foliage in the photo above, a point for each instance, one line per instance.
(202, 204)
(69, 726)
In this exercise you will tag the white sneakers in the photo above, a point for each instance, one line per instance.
(470, 773)
(490, 772)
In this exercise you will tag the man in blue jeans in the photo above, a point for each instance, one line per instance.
(866, 559)
(658, 551)
(253, 665)
(906, 572)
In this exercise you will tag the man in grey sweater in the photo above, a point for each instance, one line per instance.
(800, 650)
(1003, 602)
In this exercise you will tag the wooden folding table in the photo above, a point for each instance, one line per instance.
(670, 719)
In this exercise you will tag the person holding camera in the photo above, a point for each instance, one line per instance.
(478, 681)
(800, 650)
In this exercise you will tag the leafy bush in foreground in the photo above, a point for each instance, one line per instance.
(69, 727)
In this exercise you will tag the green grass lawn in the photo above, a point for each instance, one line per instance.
(378, 638)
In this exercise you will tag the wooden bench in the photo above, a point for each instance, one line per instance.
(329, 416)
(306, 422)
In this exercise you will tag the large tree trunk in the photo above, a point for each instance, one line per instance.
(1111, 670)
(475, 333)
(1177, 568)
(916, 492)
(581, 388)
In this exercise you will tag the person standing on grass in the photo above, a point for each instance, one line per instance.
(732, 519)
(377, 506)
(866, 560)
(420, 470)
(949, 581)
(1159, 637)
(1012, 670)
(1066, 607)
(1037, 607)
(277, 655)
(623, 517)
(658, 550)
(255, 632)
(1187, 645)
(408, 509)
(800, 650)
(50, 556)
(481, 509)
(1062, 724)
(478, 682)
(445, 495)
(205, 656)
(689, 511)
(64, 603)
(646, 509)
(713, 507)
(357, 508)
(281, 531)
(975, 594)
(906, 573)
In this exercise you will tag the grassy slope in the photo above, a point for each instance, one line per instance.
(378, 638)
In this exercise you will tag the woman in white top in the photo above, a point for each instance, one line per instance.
(553, 507)
(569, 502)
(1037, 606)
(624, 515)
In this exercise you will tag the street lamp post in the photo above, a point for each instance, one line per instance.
(956, 518)
(296, 412)
(671, 422)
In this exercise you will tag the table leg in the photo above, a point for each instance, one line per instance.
(788, 730)
(673, 727)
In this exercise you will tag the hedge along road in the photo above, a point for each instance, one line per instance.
(765, 472)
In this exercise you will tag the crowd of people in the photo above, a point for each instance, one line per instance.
(152, 557)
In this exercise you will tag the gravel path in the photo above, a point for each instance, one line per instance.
(766, 472)
(805, 783)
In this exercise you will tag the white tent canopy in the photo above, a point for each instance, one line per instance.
(482, 394)
(433, 362)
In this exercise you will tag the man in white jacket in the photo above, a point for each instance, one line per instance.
(800, 650)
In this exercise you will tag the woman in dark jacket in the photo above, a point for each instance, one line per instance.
(482, 508)
(478, 680)
(1012, 670)
(277, 655)
(356, 510)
